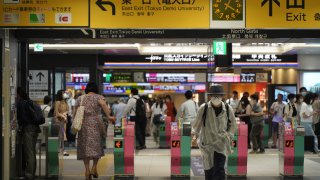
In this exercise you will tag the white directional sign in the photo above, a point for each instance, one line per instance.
(38, 84)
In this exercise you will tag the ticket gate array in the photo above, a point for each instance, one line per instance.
(124, 146)
(237, 161)
(180, 150)
(291, 150)
(165, 133)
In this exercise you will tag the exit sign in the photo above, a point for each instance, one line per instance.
(38, 48)
(219, 48)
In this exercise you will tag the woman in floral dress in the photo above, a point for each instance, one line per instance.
(90, 136)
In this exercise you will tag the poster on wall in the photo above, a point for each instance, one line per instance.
(261, 77)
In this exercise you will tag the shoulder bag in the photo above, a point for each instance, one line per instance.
(77, 121)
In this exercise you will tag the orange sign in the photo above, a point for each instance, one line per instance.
(289, 144)
(118, 144)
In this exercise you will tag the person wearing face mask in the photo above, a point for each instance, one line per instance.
(215, 126)
(257, 120)
(277, 111)
(303, 91)
(61, 110)
(307, 114)
(290, 110)
(298, 103)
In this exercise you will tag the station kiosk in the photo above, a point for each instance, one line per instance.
(237, 161)
(291, 150)
(124, 146)
(180, 150)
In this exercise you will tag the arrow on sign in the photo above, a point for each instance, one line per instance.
(270, 4)
(118, 144)
(100, 3)
(40, 75)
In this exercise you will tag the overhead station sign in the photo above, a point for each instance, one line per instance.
(282, 14)
(193, 14)
(44, 13)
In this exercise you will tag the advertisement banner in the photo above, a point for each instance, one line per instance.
(285, 14)
(168, 14)
(44, 13)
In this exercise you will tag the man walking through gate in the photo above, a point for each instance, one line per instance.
(215, 126)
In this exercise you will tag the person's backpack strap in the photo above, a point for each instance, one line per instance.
(229, 120)
(204, 115)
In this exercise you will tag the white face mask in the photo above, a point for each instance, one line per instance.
(65, 96)
(300, 100)
(216, 100)
(294, 100)
(304, 94)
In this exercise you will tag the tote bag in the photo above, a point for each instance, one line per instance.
(77, 121)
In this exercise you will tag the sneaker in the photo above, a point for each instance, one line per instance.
(65, 154)
(253, 152)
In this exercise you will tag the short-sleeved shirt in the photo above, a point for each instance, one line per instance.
(308, 110)
(234, 103)
(278, 111)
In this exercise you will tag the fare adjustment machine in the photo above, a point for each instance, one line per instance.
(180, 150)
(237, 161)
(124, 143)
(291, 150)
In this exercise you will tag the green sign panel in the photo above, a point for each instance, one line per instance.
(219, 48)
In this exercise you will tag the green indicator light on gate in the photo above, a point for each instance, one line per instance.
(219, 48)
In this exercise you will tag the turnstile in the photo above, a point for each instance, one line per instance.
(124, 146)
(180, 150)
(291, 150)
(265, 135)
(165, 133)
(237, 161)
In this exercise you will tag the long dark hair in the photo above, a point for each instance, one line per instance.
(59, 96)
(159, 102)
(308, 98)
(244, 102)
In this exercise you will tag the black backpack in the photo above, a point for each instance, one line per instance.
(204, 115)
(140, 110)
(36, 113)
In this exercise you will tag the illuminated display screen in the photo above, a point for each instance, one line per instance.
(223, 77)
(170, 77)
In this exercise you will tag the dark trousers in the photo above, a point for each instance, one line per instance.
(217, 172)
(255, 135)
(70, 137)
(248, 122)
(140, 131)
(29, 137)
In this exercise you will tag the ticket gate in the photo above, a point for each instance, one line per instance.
(237, 161)
(124, 146)
(180, 150)
(53, 157)
(291, 150)
(165, 133)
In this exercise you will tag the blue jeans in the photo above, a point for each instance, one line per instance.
(217, 172)
(309, 132)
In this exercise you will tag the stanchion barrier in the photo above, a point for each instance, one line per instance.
(237, 161)
(124, 146)
(291, 151)
(165, 133)
(180, 150)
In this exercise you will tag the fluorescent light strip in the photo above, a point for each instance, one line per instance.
(87, 46)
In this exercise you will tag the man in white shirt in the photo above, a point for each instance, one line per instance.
(234, 101)
(188, 110)
(276, 110)
(140, 125)
(119, 109)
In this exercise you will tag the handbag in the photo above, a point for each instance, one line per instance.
(157, 119)
(77, 121)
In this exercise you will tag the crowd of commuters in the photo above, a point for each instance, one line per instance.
(214, 143)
